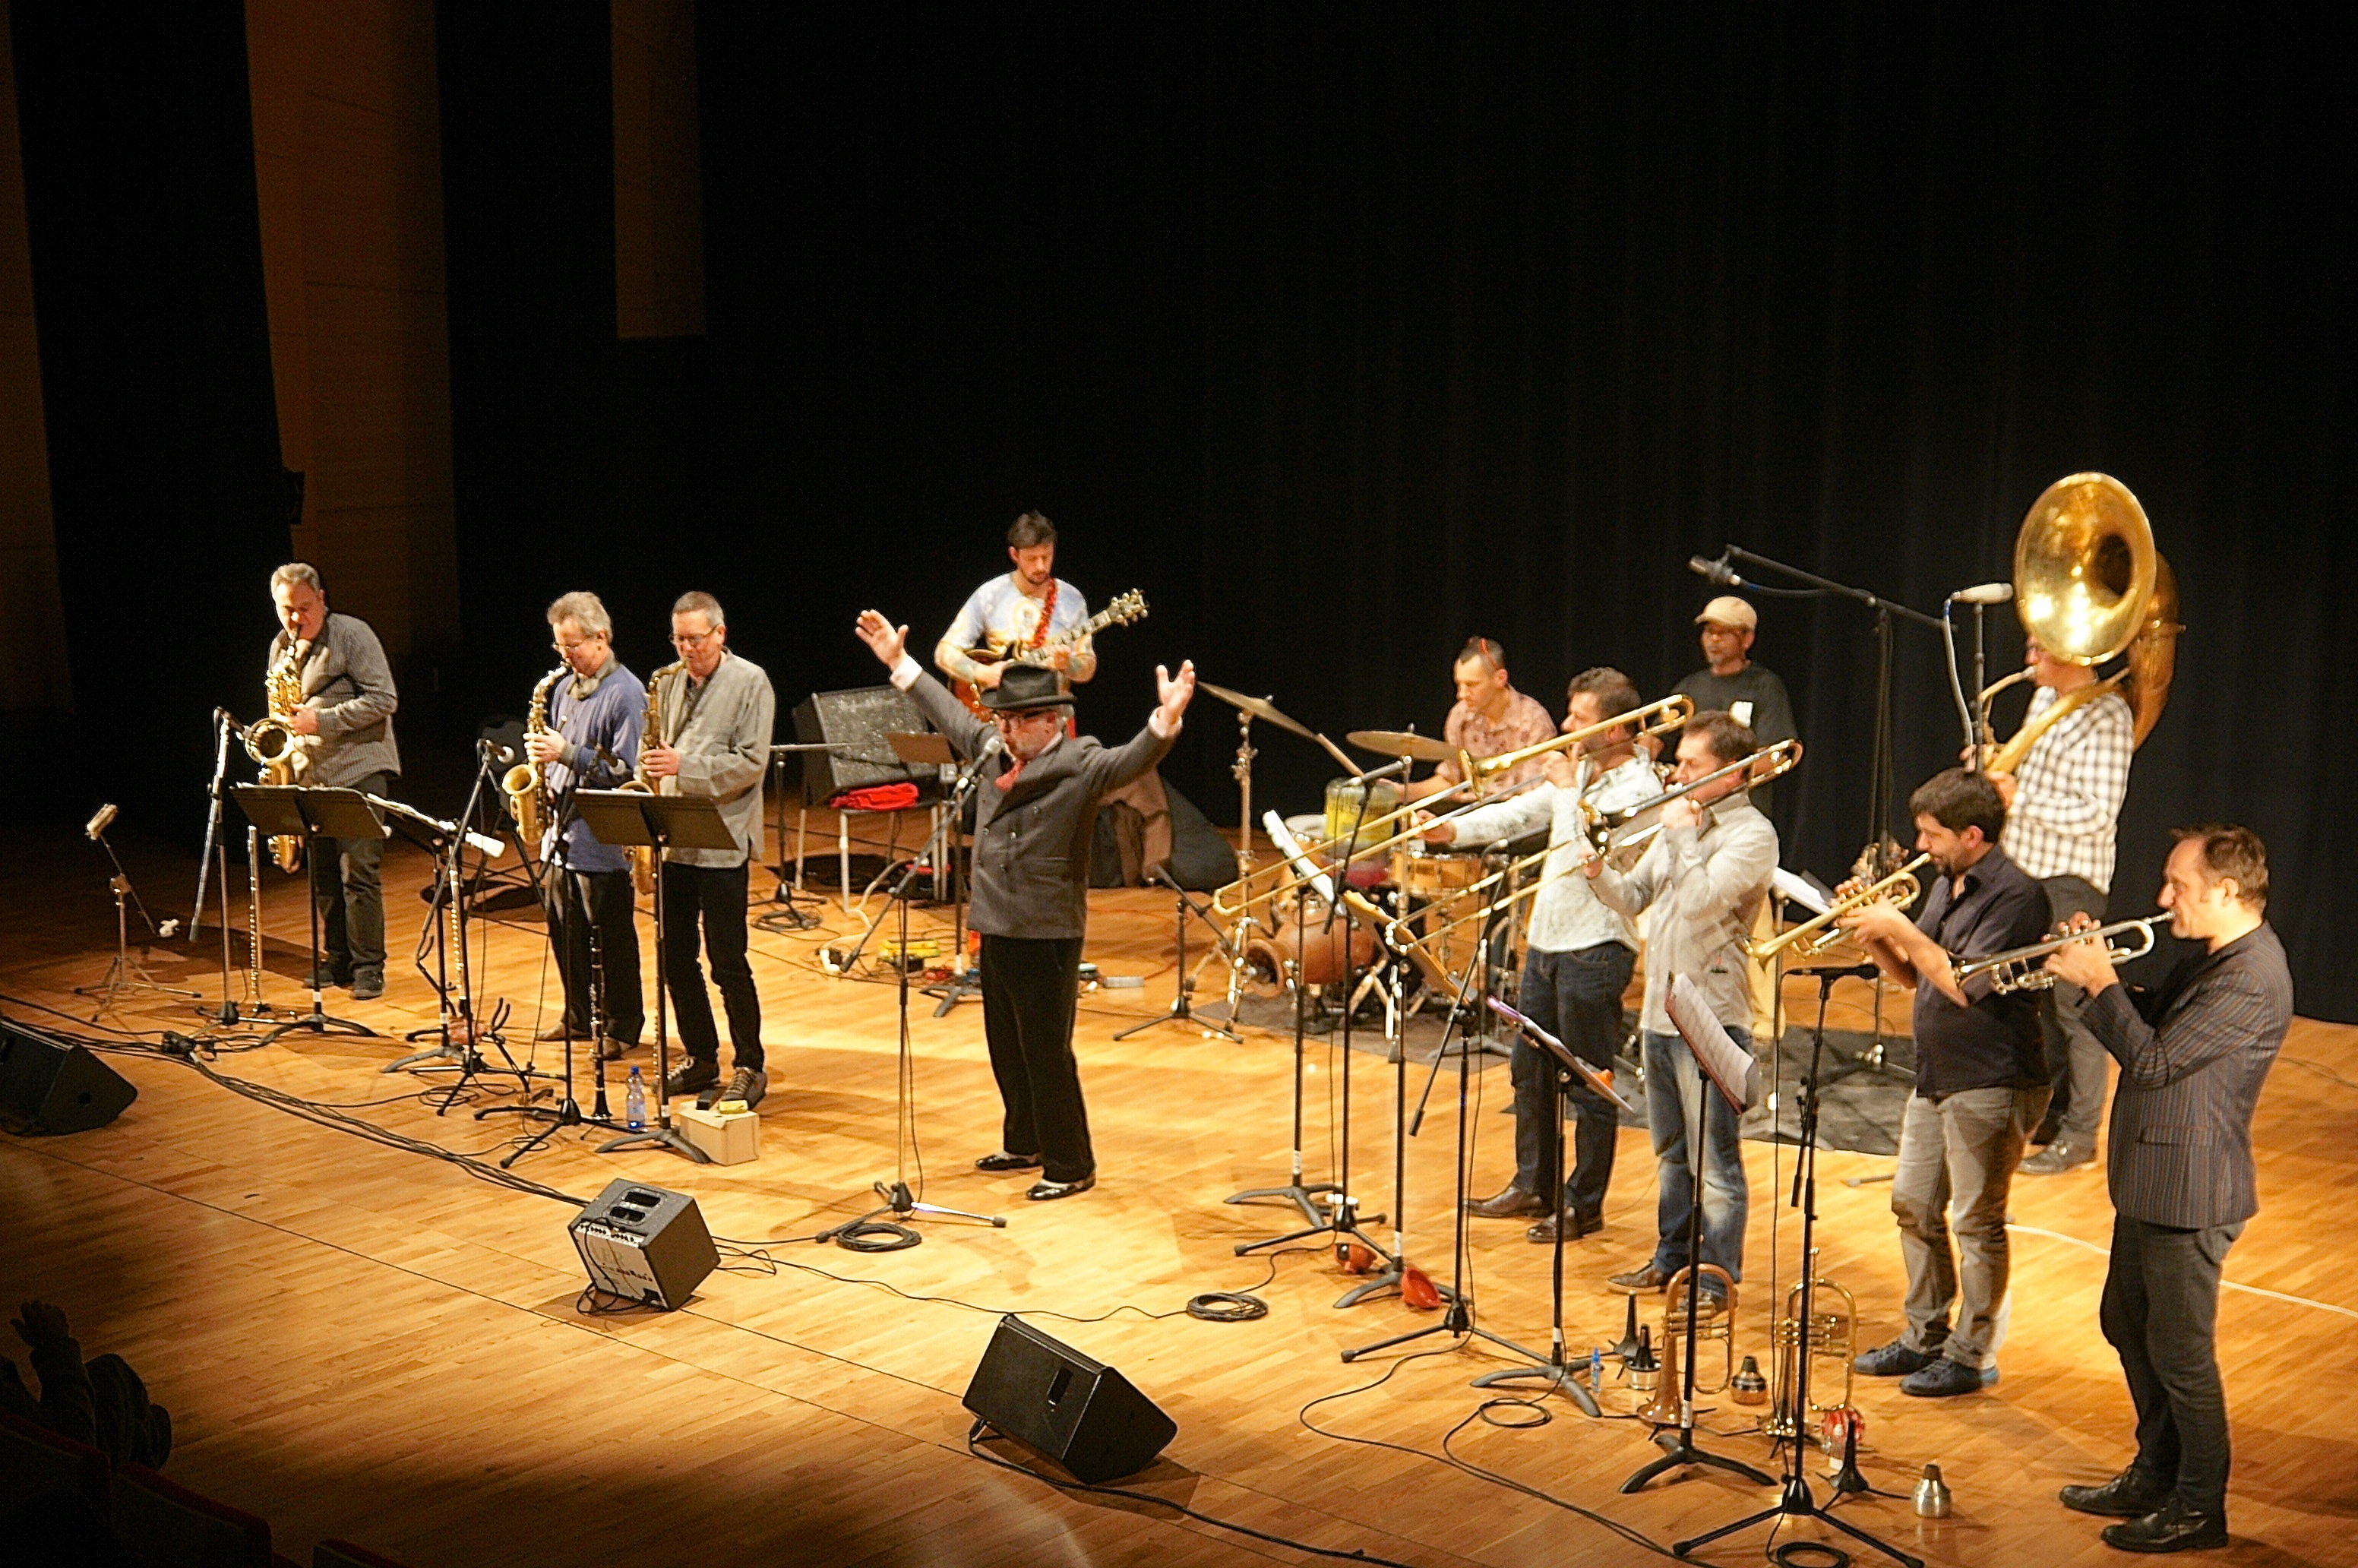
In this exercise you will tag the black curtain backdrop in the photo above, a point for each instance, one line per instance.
(163, 437)
(1348, 334)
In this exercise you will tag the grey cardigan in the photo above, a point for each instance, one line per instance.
(348, 683)
(1032, 838)
(724, 751)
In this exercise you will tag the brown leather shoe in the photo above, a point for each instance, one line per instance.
(1645, 1279)
(1508, 1203)
(1575, 1226)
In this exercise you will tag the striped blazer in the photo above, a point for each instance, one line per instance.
(2194, 1056)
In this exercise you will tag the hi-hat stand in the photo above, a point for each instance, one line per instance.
(320, 816)
(871, 1232)
(625, 819)
(1796, 1500)
(126, 976)
(1182, 1008)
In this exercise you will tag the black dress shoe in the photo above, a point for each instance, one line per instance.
(1640, 1281)
(1048, 1192)
(1003, 1160)
(2126, 1496)
(1575, 1226)
(329, 978)
(690, 1077)
(1508, 1203)
(2173, 1527)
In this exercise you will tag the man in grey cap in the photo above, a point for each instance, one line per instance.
(1730, 683)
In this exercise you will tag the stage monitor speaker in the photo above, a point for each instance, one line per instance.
(1085, 1415)
(58, 1088)
(859, 720)
(645, 1244)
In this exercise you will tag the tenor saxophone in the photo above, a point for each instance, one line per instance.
(643, 856)
(526, 784)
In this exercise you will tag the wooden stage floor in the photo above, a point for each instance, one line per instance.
(359, 1340)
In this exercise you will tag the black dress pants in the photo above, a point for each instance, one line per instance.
(348, 886)
(2161, 1313)
(1030, 987)
(714, 898)
(578, 902)
(1576, 997)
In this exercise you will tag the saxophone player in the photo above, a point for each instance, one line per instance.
(596, 711)
(344, 723)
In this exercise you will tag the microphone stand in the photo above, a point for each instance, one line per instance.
(226, 1014)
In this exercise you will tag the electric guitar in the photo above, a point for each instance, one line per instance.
(1130, 607)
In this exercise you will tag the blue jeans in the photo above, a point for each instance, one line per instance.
(1576, 997)
(1675, 1083)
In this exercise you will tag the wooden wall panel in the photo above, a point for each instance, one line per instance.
(348, 155)
(33, 669)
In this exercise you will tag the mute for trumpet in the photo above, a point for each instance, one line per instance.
(1931, 1496)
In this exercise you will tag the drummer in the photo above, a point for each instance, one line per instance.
(1582, 956)
(1491, 718)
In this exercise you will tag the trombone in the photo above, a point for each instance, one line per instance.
(1284, 878)
(2019, 969)
(1813, 937)
(1778, 760)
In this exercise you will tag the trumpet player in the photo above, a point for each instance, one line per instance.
(1980, 1084)
(596, 711)
(345, 721)
(1705, 877)
(2194, 1056)
(1582, 953)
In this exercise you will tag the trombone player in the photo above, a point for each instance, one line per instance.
(1582, 953)
(1980, 1084)
(2194, 1056)
(1704, 876)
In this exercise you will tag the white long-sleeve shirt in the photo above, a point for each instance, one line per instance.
(1704, 888)
(1565, 913)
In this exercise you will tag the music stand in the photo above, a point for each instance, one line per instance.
(1735, 1076)
(625, 819)
(297, 811)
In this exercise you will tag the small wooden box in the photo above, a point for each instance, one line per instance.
(727, 1139)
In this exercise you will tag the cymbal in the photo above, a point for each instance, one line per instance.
(1401, 743)
(1259, 707)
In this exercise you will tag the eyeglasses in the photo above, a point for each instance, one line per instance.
(689, 645)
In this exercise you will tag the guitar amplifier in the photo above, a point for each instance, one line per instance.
(645, 1244)
(859, 721)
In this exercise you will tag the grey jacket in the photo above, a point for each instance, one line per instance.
(2193, 1056)
(722, 736)
(348, 683)
(1032, 838)
(1704, 889)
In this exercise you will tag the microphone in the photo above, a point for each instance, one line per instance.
(98, 824)
(1718, 571)
(494, 847)
(503, 755)
(1984, 593)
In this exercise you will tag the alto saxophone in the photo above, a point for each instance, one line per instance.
(643, 856)
(526, 784)
(271, 739)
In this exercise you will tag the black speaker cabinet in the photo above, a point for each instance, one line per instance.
(58, 1088)
(859, 721)
(645, 1244)
(1085, 1415)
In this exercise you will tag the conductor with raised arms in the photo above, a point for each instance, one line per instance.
(1033, 815)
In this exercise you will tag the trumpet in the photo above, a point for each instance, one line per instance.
(1815, 935)
(1606, 837)
(2019, 969)
(1284, 878)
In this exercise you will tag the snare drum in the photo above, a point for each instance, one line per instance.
(1423, 874)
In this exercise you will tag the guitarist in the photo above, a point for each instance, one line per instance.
(1021, 609)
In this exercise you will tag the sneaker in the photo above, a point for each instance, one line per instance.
(1897, 1359)
(747, 1085)
(2057, 1158)
(1944, 1378)
(328, 979)
(691, 1076)
(367, 984)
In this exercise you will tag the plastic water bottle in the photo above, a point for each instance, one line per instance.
(634, 1103)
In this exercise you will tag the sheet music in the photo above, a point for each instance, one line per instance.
(1726, 1065)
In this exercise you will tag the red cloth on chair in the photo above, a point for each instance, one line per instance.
(877, 797)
